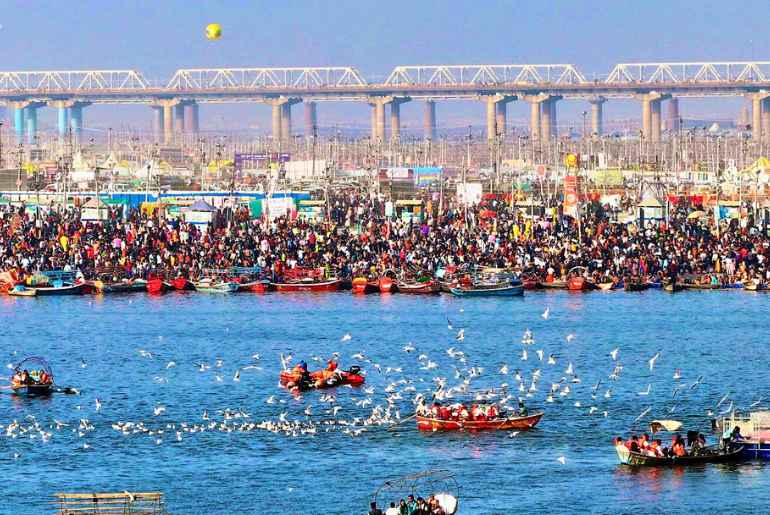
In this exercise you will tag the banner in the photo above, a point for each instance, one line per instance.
(571, 196)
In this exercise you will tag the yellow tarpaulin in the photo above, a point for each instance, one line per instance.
(760, 165)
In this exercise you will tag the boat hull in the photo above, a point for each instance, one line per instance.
(577, 284)
(33, 390)
(428, 288)
(504, 291)
(157, 286)
(216, 288)
(635, 459)
(332, 285)
(21, 291)
(74, 289)
(345, 378)
(254, 287)
(507, 424)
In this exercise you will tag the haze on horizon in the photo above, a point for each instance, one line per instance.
(158, 38)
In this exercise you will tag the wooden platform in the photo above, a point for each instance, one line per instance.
(121, 503)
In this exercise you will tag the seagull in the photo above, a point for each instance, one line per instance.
(83, 363)
(460, 335)
(524, 354)
(696, 383)
(723, 399)
(449, 324)
(159, 409)
(504, 368)
(256, 357)
(98, 404)
(562, 460)
(647, 391)
(408, 348)
(569, 337)
(677, 374)
(570, 369)
(539, 353)
(551, 359)
(346, 337)
(145, 354)
(237, 376)
(642, 414)
(546, 313)
(170, 364)
(652, 360)
(614, 353)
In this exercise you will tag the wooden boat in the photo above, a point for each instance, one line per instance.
(125, 286)
(156, 285)
(501, 424)
(672, 287)
(362, 285)
(530, 283)
(352, 377)
(421, 288)
(556, 284)
(308, 285)
(181, 284)
(40, 379)
(577, 284)
(493, 289)
(756, 286)
(21, 291)
(635, 284)
(144, 503)
(56, 282)
(207, 286)
(607, 286)
(707, 455)
(385, 284)
(260, 286)
(67, 289)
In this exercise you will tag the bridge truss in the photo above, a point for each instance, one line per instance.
(259, 78)
(73, 80)
(484, 75)
(689, 73)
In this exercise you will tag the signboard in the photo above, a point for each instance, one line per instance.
(571, 196)
(259, 159)
(469, 193)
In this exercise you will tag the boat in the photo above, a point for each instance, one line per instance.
(671, 287)
(180, 283)
(21, 291)
(607, 286)
(575, 279)
(211, 286)
(428, 287)
(530, 283)
(362, 285)
(352, 377)
(385, 284)
(56, 282)
(124, 286)
(441, 485)
(306, 280)
(712, 454)
(635, 284)
(259, 286)
(499, 424)
(555, 284)
(756, 286)
(32, 377)
(156, 285)
(487, 289)
(754, 428)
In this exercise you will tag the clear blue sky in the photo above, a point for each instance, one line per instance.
(158, 37)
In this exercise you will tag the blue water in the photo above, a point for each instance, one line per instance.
(721, 336)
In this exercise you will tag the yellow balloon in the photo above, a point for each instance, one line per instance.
(213, 31)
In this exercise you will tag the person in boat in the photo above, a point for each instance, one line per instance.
(392, 510)
(374, 510)
(411, 505)
(329, 374)
(491, 412)
(25, 378)
(678, 448)
(522, 409)
(44, 377)
(632, 444)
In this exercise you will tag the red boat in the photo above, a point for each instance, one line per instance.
(362, 285)
(427, 288)
(352, 377)
(500, 424)
(310, 285)
(576, 281)
(156, 286)
(181, 284)
(255, 286)
(385, 284)
(529, 283)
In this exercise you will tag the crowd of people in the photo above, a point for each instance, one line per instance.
(477, 412)
(356, 238)
(411, 506)
(654, 447)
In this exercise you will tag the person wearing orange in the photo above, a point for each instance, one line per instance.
(328, 374)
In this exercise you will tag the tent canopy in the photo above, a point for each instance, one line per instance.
(201, 205)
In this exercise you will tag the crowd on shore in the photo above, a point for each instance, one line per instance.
(357, 238)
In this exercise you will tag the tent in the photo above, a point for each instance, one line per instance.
(200, 212)
(94, 210)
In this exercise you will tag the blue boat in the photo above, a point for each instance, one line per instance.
(512, 288)
(754, 430)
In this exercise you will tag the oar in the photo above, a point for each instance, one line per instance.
(394, 426)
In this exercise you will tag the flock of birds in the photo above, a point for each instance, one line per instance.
(535, 374)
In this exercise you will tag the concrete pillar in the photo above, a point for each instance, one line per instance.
(30, 113)
(379, 114)
(191, 118)
(766, 119)
(545, 120)
(374, 123)
(62, 117)
(311, 118)
(491, 118)
(276, 121)
(157, 122)
(501, 118)
(672, 115)
(756, 118)
(168, 123)
(534, 120)
(655, 121)
(286, 122)
(597, 116)
(429, 120)
(179, 119)
(76, 120)
(646, 118)
(18, 123)
(554, 123)
(395, 121)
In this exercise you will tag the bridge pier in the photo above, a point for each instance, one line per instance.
(546, 117)
(311, 118)
(651, 115)
(378, 117)
(554, 132)
(756, 116)
(597, 116)
(766, 120)
(534, 120)
(674, 121)
(191, 121)
(395, 117)
(30, 113)
(429, 120)
(18, 118)
(286, 122)
(655, 121)
(496, 113)
(281, 117)
(76, 120)
(157, 122)
(179, 119)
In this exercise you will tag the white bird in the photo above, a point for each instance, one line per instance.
(642, 414)
(460, 335)
(652, 360)
(524, 354)
(562, 460)
(551, 359)
(539, 353)
(504, 368)
(144, 353)
(83, 363)
(346, 337)
(569, 337)
(449, 324)
(647, 391)
(170, 364)
(677, 374)
(546, 313)
(159, 409)
(614, 353)
(270, 400)
(408, 348)
(255, 357)
(98, 404)
(570, 369)
(237, 376)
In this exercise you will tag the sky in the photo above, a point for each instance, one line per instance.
(158, 37)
